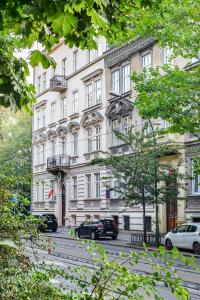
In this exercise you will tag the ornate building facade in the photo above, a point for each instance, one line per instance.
(73, 123)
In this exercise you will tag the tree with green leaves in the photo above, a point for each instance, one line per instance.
(135, 172)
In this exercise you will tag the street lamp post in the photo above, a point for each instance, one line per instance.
(157, 235)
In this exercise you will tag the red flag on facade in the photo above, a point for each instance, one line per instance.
(51, 192)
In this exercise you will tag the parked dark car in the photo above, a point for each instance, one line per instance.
(95, 229)
(47, 222)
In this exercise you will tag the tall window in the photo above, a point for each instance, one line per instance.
(114, 185)
(38, 119)
(63, 146)
(89, 56)
(115, 81)
(126, 79)
(89, 95)
(146, 61)
(63, 104)
(53, 112)
(64, 66)
(97, 138)
(42, 153)
(89, 140)
(115, 126)
(100, 46)
(126, 124)
(97, 185)
(75, 188)
(44, 80)
(53, 148)
(42, 191)
(75, 60)
(39, 84)
(37, 154)
(37, 192)
(88, 186)
(75, 144)
(195, 180)
(167, 55)
(43, 112)
(97, 91)
(75, 102)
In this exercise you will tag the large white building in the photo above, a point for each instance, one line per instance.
(72, 123)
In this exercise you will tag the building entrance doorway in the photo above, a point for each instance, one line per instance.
(63, 205)
(171, 203)
(126, 223)
(116, 220)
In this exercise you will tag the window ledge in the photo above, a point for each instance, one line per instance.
(41, 164)
(95, 106)
(91, 199)
(52, 124)
(62, 120)
(40, 129)
(74, 116)
(73, 156)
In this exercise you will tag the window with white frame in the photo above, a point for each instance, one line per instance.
(74, 188)
(114, 186)
(37, 154)
(115, 126)
(167, 55)
(75, 102)
(126, 83)
(37, 191)
(38, 119)
(75, 144)
(90, 55)
(44, 80)
(146, 61)
(88, 186)
(89, 140)
(97, 91)
(42, 153)
(53, 112)
(97, 185)
(63, 107)
(88, 95)
(43, 116)
(64, 66)
(53, 148)
(75, 60)
(42, 191)
(99, 46)
(115, 81)
(195, 180)
(63, 146)
(97, 138)
(126, 125)
(39, 84)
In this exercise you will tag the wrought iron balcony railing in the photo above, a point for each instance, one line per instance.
(58, 83)
(58, 163)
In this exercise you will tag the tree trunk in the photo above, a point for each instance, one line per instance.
(144, 220)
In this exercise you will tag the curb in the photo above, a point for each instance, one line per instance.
(125, 246)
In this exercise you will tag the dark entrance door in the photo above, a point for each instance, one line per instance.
(63, 205)
(126, 223)
(171, 203)
(116, 220)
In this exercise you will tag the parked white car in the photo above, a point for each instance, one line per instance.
(186, 236)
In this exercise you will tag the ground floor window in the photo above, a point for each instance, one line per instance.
(126, 223)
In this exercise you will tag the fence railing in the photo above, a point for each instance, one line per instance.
(138, 238)
(58, 80)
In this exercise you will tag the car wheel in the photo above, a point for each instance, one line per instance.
(114, 237)
(93, 235)
(168, 244)
(196, 248)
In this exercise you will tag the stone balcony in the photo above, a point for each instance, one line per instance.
(58, 83)
(58, 163)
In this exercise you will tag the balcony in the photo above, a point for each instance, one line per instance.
(58, 83)
(58, 163)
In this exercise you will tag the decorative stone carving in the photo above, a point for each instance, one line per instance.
(51, 134)
(92, 118)
(119, 108)
(73, 127)
(39, 138)
(61, 131)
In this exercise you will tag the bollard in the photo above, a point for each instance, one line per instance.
(49, 246)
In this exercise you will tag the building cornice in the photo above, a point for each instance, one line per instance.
(92, 75)
(39, 104)
(118, 54)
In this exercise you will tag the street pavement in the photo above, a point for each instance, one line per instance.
(71, 252)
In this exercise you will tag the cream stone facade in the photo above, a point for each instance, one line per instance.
(73, 122)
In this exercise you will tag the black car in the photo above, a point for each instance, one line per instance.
(47, 222)
(95, 229)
